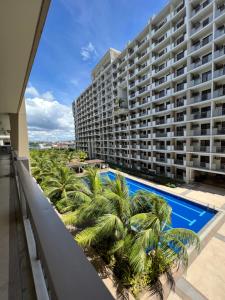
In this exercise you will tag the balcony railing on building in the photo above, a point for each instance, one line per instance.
(200, 6)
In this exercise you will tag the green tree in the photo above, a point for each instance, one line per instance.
(62, 184)
(139, 247)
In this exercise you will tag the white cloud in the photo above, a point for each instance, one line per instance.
(88, 51)
(48, 95)
(31, 91)
(47, 118)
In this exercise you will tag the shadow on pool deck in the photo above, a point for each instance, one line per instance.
(201, 187)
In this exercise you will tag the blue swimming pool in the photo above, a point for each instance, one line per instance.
(185, 214)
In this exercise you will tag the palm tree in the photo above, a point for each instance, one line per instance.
(139, 246)
(62, 184)
(82, 155)
(91, 198)
(158, 247)
(71, 155)
(41, 168)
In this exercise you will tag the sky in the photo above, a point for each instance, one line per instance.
(76, 35)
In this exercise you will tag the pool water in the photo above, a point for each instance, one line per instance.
(185, 213)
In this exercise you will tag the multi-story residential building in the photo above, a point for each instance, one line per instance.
(159, 105)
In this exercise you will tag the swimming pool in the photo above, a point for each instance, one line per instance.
(185, 213)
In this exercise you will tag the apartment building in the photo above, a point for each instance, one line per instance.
(159, 105)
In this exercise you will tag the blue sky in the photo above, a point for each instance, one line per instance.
(76, 34)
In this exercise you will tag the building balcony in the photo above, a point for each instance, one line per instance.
(201, 62)
(160, 160)
(220, 111)
(180, 148)
(180, 103)
(146, 158)
(219, 168)
(218, 149)
(145, 147)
(199, 149)
(145, 136)
(220, 10)
(200, 98)
(200, 7)
(219, 53)
(219, 32)
(219, 93)
(181, 118)
(178, 9)
(165, 93)
(219, 131)
(199, 165)
(200, 115)
(200, 80)
(201, 43)
(199, 132)
(201, 25)
(180, 162)
(160, 134)
(180, 133)
(159, 147)
(178, 25)
(219, 72)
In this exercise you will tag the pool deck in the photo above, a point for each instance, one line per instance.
(205, 277)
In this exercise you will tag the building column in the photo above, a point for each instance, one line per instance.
(19, 134)
(189, 175)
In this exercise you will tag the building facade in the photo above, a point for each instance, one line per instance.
(159, 105)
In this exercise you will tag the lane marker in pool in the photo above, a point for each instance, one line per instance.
(189, 221)
(192, 222)
(201, 214)
(190, 208)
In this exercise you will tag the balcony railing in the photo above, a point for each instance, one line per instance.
(180, 133)
(179, 162)
(219, 32)
(199, 132)
(220, 111)
(200, 98)
(200, 7)
(219, 131)
(201, 44)
(219, 72)
(199, 149)
(200, 165)
(200, 115)
(68, 273)
(199, 80)
(201, 26)
(161, 159)
(219, 93)
(219, 52)
(162, 147)
(201, 62)
(180, 148)
(219, 149)
(220, 10)
(161, 134)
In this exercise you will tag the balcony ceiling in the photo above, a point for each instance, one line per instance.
(21, 24)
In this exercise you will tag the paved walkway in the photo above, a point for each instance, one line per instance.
(15, 275)
(4, 226)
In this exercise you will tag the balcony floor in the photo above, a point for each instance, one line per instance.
(15, 274)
